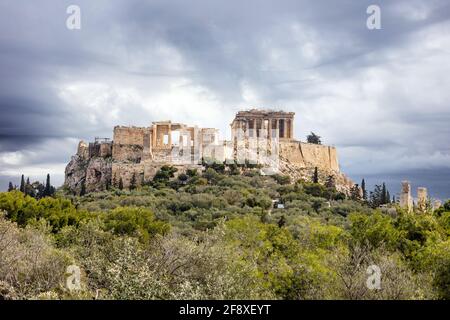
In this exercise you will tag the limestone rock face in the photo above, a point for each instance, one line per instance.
(98, 174)
(75, 173)
(299, 172)
(93, 173)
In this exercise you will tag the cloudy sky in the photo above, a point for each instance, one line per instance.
(381, 96)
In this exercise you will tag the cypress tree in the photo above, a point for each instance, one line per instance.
(364, 191)
(22, 184)
(48, 187)
(28, 187)
(133, 181)
(316, 175)
(10, 187)
(384, 194)
(120, 183)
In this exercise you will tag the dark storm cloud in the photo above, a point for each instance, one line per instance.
(380, 96)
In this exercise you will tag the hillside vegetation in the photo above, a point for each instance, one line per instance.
(219, 235)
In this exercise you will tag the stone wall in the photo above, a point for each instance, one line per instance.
(310, 155)
(105, 149)
(129, 135)
(127, 152)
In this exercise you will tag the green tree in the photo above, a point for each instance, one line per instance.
(120, 184)
(313, 138)
(135, 222)
(49, 190)
(29, 190)
(10, 186)
(447, 205)
(183, 178)
(384, 194)
(375, 229)
(133, 181)
(315, 177)
(211, 175)
(22, 184)
(331, 182)
(164, 174)
(192, 172)
(355, 193)
(364, 191)
(376, 196)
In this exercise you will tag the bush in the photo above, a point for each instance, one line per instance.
(280, 179)
(134, 222)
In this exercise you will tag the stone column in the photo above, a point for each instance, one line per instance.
(422, 199)
(288, 128)
(169, 132)
(291, 129)
(405, 196)
(154, 132)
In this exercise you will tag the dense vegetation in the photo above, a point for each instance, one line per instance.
(218, 235)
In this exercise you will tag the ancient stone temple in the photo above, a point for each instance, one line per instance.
(274, 124)
(263, 137)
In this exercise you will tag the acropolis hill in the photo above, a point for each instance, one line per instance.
(262, 137)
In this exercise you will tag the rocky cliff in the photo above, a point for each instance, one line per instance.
(89, 169)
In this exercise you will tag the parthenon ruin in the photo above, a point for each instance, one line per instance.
(263, 137)
(274, 124)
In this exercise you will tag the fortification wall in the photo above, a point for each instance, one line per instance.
(105, 149)
(130, 135)
(127, 152)
(309, 155)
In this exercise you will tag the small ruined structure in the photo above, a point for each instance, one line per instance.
(422, 199)
(263, 137)
(406, 200)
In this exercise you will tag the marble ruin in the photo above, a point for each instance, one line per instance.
(263, 137)
(423, 202)
(406, 200)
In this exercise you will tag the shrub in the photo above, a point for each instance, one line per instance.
(134, 221)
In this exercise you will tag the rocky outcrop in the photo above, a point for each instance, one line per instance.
(75, 174)
(91, 174)
(305, 173)
(98, 174)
